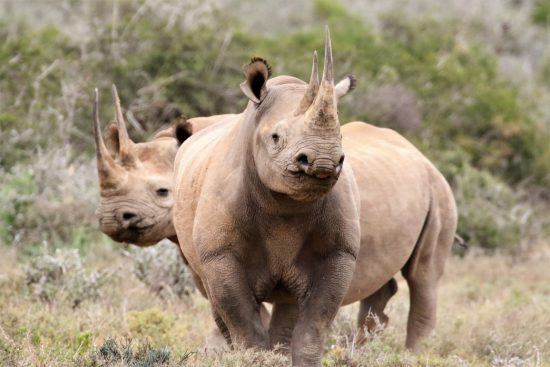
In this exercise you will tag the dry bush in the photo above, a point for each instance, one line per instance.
(491, 214)
(112, 352)
(392, 105)
(51, 199)
(62, 276)
(162, 269)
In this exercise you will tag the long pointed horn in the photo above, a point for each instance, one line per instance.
(322, 112)
(106, 166)
(312, 88)
(126, 145)
(327, 66)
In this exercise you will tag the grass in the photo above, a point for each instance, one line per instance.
(493, 311)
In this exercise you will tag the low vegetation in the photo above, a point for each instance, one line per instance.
(494, 311)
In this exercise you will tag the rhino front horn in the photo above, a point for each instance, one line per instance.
(322, 112)
(107, 168)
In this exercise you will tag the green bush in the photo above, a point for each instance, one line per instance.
(51, 200)
(17, 193)
(541, 12)
(415, 74)
(491, 215)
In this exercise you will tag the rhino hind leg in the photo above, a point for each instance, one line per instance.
(371, 311)
(422, 312)
(424, 269)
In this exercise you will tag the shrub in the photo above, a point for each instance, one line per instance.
(490, 214)
(442, 73)
(62, 276)
(152, 325)
(53, 200)
(112, 352)
(392, 105)
(541, 12)
(162, 269)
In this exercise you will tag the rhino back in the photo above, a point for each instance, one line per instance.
(396, 183)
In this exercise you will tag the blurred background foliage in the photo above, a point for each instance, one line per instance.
(467, 81)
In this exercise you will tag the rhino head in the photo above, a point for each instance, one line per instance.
(136, 180)
(297, 144)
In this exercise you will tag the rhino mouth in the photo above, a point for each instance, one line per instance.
(303, 177)
(132, 234)
(305, 187)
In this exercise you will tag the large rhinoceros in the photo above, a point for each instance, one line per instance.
(266, 209)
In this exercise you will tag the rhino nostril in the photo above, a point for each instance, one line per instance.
(128, 215)
(302, 159)
(341, 161)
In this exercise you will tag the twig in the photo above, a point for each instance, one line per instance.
(38, 80)
(461, 241)
(162, 82)
(142, 9)
(221, 55)
(114, 33)
(134, 122)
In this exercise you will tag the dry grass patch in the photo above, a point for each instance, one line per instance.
(493, 311)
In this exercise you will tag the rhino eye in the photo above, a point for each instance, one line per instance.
(162, 192)
(275, 138)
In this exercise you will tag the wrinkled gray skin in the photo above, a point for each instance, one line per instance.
(265, 210)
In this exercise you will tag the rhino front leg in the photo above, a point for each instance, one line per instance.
(282, 325)
(222, 327)
(318, 307)
(233, 301)
(371, 311)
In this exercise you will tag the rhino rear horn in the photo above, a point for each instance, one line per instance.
(312, 88)
(126, 145)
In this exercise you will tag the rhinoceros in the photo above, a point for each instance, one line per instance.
(281, 204)
(136, 179)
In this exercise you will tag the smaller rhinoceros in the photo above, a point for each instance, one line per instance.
(136, 179)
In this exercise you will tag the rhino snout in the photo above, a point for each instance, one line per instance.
(319, 166)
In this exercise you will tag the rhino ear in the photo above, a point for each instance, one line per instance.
(182, 129)
(111, 140)
(256, 73)
(345, 86)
